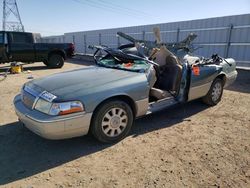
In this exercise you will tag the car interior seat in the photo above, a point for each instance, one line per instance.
(170, 70)
(171, 75)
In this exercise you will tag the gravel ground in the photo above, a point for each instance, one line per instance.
(188, 145)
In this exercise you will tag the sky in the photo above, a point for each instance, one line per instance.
(56, 17)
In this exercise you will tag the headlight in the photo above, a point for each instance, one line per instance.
(43, 106)
(66, 108)
(59, 108)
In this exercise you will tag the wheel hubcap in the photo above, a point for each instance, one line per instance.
(216, 91)
(114, 122)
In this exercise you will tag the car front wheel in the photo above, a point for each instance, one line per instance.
(214, 95)
(112, 121)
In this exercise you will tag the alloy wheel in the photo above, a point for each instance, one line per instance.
(114, 122)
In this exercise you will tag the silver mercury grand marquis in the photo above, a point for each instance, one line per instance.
(132, 81)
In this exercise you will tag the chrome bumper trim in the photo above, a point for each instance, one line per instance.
(55, 120)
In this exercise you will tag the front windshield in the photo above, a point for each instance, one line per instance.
(110, 61)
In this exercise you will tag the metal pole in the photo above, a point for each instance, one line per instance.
(178, 35)
(100, 39)
(4, 15)
(118, 41)
(85, 43)
(229, 40)
(19, 18)
(143, 35)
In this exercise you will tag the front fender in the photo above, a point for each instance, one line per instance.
(136, 88)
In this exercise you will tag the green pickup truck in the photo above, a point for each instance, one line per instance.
(23, 47)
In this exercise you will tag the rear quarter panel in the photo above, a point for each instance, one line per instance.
(230, 71)
(200, 84)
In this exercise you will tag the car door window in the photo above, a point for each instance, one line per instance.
(1, 38)
(20, 38)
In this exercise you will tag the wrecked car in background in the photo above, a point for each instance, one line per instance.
(129, 82)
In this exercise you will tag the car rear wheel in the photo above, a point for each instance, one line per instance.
(55, 61)
(214, 95)
(112, 121)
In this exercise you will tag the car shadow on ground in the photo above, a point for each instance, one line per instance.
(167, 118)
(242, 83)
(24, 154)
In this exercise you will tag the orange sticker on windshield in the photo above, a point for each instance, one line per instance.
(129, 64)
(196, 70)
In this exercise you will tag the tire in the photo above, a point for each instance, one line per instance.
(112, 121)
(55, 61)
(215, 92)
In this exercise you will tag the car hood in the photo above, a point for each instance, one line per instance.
(81, 79)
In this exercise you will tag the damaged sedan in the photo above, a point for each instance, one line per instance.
(134, 80)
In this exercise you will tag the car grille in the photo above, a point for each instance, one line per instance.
(28, 99)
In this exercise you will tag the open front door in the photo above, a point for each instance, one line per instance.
(201, 79)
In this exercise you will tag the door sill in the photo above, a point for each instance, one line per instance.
(161, 104)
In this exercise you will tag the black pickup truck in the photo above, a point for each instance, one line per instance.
(22, 46)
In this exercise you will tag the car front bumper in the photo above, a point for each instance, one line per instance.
(52, 127)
